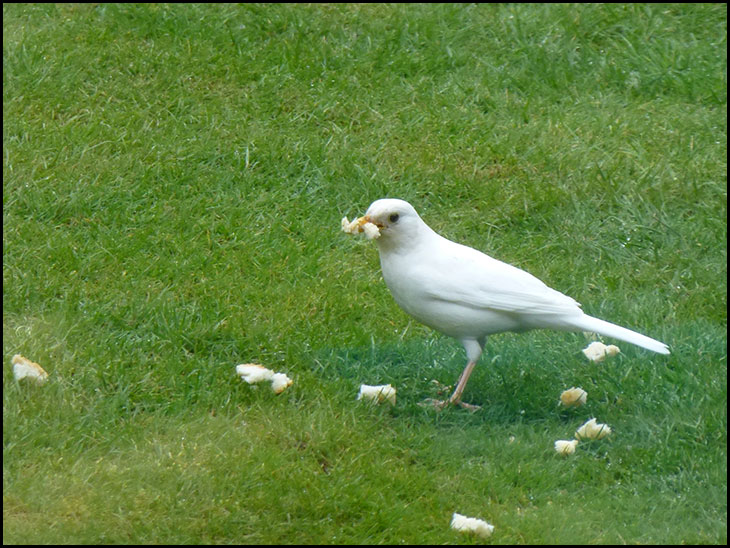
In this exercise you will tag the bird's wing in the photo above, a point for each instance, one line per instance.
(465, 276)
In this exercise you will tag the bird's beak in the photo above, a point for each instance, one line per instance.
(367, 219)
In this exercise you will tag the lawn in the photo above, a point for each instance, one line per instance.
(173, 182)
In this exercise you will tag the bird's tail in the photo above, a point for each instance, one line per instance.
(589, 323)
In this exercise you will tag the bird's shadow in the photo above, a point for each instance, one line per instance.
(518, 379)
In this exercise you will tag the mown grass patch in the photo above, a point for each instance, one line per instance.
(173, 181)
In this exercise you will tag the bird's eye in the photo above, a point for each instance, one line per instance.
(394, 218)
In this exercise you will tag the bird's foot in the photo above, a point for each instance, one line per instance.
(442, 404)
(432, 402)
(441, 388)
(469, 406)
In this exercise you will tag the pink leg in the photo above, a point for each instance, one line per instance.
(473, 349)
(461, 385)
(455, 398)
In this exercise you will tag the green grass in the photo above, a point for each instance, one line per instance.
(173, 181)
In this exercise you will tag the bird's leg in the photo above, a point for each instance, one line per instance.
(473, 349)
(460, 386)
(455, 398)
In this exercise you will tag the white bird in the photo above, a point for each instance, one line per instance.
(468, 295)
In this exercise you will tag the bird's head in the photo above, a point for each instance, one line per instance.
(397, 220)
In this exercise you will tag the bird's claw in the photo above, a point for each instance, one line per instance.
(442, 404)
(469, 406)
